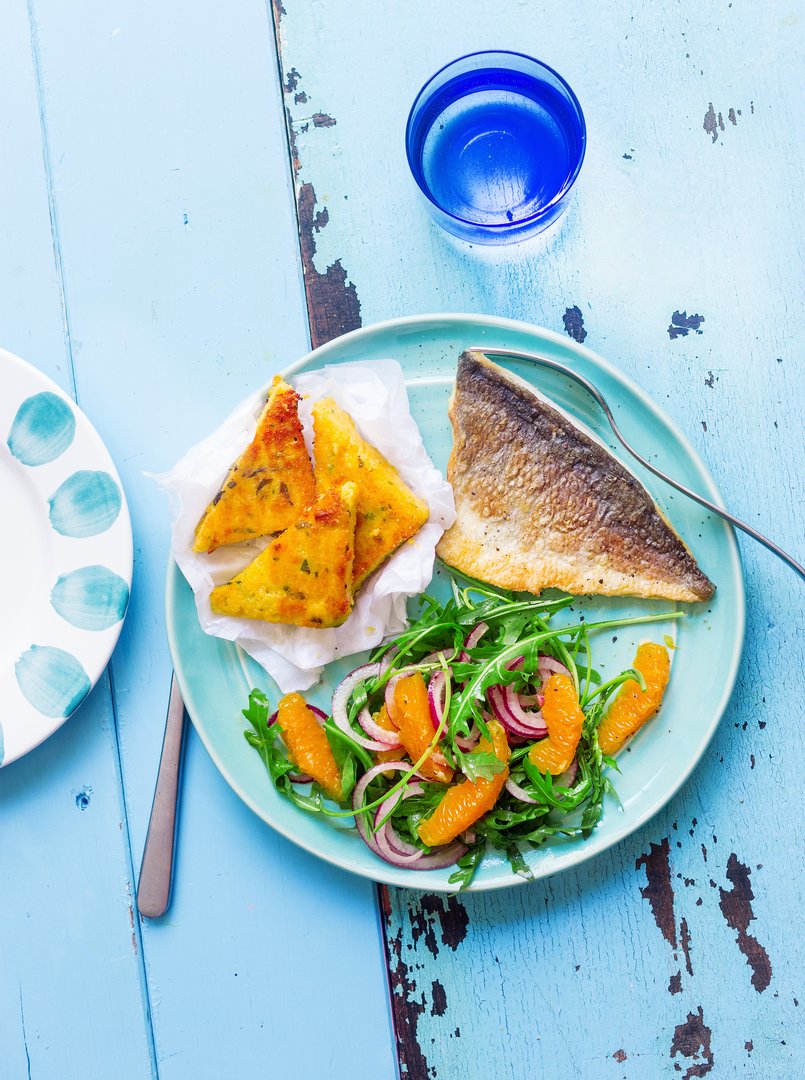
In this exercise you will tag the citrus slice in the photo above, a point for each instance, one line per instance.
(633, 707)
(469, 800)
(563, 718)
(410, 714)
(307, 744)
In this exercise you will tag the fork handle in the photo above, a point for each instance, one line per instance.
(156, 871)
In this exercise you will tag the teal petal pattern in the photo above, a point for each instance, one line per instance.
(91, 598)
(52, 680)
(87, 503)
(42, 430)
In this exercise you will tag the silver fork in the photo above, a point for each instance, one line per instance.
(595, 393)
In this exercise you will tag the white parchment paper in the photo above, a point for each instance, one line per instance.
(373, 393)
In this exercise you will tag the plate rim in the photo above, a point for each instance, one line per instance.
(391, 875)
(46, 383)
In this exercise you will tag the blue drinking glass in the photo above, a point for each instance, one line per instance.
(495, 141)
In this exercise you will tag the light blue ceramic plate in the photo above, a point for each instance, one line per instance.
(65, 557)
(215, 677)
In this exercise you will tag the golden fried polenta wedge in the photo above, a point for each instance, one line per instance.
(388, 512)
(270, 483)
(304, 576)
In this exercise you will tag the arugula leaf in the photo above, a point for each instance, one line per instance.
(480, 764)
(466, 867)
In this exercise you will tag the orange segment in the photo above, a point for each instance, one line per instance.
(307, 744)
(632, 707)
(464, 803)
(382, 719)
(410, 714)
(563, 718)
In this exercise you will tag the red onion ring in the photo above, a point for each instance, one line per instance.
(390, 738)
(341, 700)
(500, 707)
(436, 696)
(528, 719)
(547, 666)
(385, 849)
(385, 834)
(388, 697)
(518, 792)
(472, 640)
(441, 857)
(470, 741)
(357, 799)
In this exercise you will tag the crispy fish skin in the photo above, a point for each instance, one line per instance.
(304, 576)
(270, 483)
(541, 504)
(389, 513)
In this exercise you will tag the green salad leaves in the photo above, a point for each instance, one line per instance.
(479, 639)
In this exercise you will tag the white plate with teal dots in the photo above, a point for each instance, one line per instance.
(65, 557)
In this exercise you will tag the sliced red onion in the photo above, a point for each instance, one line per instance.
(386, 848)
(441, 857)
(357, 799)
(518, 792)
(436, 695)
(436, 657)
(568, 776)
(385, 834)
(389, 692)
(470, 741)
(499, 705)
(390, 739)
(472, 640)
(528, 719)
(341, 701)
(547, 666)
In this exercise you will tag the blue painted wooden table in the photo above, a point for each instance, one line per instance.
(191, 193)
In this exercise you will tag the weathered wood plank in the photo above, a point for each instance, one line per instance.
(70, 989)
(674, 954)
(181, 276)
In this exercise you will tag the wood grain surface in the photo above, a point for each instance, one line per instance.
(672, 954)
(191, 193)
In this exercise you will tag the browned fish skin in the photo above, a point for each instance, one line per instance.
(541, 504)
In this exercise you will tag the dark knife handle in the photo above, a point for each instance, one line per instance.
(156, 872)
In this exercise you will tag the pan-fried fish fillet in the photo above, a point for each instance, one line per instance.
(304, 576)
(542, 504)
(270, 483)
(388, 512)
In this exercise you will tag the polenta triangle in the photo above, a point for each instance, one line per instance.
(304, 576)
(270, 483)
(388, 512)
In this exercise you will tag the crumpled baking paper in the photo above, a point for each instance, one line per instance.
(374, 395)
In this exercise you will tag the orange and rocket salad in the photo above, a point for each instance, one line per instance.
(482, 726)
